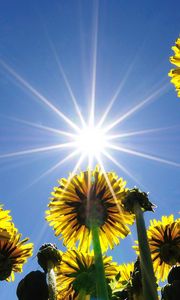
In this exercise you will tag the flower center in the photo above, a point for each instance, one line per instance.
(5, 266)
(170, 253)
(87, 280)
(92, 208)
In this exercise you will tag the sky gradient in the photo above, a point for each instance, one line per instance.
(115, 53)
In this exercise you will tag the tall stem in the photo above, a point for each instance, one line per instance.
(138, 297)
(82, 295)
(148, 278)
(51, 281)
(101, 285)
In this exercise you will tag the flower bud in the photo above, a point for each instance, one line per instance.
(136, 196)
(33, 287)
(48, 252)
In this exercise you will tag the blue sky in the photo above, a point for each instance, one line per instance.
(129, 42)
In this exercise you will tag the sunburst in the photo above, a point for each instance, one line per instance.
(89, 140)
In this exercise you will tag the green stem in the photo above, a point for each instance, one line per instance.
(148, 278)
(101, 285)
(82, 295)
(51, 281)
(138, 297)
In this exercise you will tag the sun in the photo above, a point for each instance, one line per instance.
(88, 140)
(91, 141)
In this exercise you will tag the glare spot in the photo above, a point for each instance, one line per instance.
(91, 141)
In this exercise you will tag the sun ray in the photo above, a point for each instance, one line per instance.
(111, 189)
(144, 155)
(121, 167)
(46, 128)
(94, 65)
(61, 162)
(73, 98)
(90, 161)
(38, 95)
(37, 150)
(43, 230)
(134, 109)
(115, 96)
(138, 132)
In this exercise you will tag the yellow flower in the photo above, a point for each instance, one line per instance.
(164, 242)
(13, 253)
(5, 219)
(175, 73)
(125, 271)
(76, 272)
(91, 196)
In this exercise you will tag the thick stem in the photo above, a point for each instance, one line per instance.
(82, 295)
(51, 281)
(101, 285)
(148, 278)
(138, 297)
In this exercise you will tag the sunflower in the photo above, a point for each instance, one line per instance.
(175, 73)
(13, 253)
(164, 242)
(91, 196)
(77, 272)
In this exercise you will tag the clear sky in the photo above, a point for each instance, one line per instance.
(113, 52)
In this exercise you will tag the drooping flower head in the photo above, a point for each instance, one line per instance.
(77, 272)
(91, 196)
(13, 253)
(175, 73)
(164, 242)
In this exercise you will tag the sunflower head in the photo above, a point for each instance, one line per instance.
(77, 271)
(88, 198)
(175, 73)
(13, 253)
(164, 242)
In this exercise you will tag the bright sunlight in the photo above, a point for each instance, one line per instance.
(91, 141)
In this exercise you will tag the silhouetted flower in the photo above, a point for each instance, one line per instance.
(33, 287)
